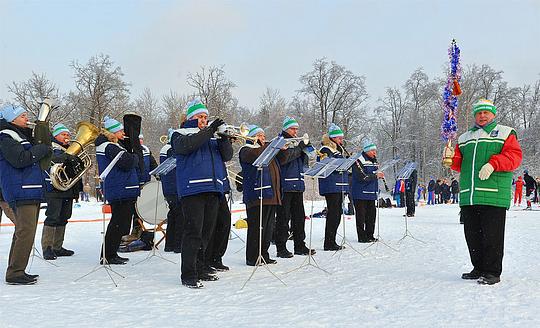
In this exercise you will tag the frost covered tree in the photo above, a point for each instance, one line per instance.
(215, 90)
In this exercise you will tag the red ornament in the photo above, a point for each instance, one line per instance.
(456, 90)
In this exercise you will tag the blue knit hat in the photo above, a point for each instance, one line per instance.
(112, 125)
(59, 128)
(195, 107)
(253, 130)
(11, 112)
(335, 131)
(289, 122)
(368, 145)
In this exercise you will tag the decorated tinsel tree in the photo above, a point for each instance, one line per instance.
(450, 101)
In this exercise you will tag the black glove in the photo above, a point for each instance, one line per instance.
(40, 151)
(216, 124)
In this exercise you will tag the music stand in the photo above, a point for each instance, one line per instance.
(261, 162)
(103, 263)
(318, 171)
(162, 169)
(39, 256)
(342, 166)
(404, 174)
(378, 215)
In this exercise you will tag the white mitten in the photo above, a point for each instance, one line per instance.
(485, 171)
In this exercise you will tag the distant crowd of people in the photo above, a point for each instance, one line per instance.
(531, 189)
(440, 191)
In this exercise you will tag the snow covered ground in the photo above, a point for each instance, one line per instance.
(416, 285)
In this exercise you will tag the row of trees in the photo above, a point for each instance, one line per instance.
(405, 122)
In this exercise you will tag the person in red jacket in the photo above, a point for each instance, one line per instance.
(519, 191)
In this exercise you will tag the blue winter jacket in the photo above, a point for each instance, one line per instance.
(21, 178)
(292, 168)
(251, 183)
(365, 184)
(145, 172)
(199, 160)
(168, 181)
(337, 182)
(122, 182)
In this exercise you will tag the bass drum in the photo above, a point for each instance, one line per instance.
(146, 204)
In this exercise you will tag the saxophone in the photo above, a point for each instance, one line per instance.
(66, 175)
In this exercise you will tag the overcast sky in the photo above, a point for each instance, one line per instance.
(265, 43)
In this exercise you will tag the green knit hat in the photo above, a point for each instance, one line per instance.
(59, 128)
(289, 122)
(368, 145)
(335, 131)
(195, 107)
(484, 104)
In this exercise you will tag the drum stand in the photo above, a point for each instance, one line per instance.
(154, 245)
(310, 260)
(260, 260)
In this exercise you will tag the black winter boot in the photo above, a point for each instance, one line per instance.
(48, 254)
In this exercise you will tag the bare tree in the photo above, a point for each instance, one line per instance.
(215, 91)
(272, 110)
(100, 88)
(335, 91)
(29, 94)
(174, 107)
(101, 91)
(153, 119)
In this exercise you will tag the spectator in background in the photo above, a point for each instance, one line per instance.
(438, 192)
(431, 191)
(86, 192)
(454, 189)
(518, 191)
(530, 188)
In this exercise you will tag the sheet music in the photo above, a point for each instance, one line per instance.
(167, 166)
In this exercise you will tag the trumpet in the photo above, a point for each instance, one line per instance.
(293, 142)
(164, 139)
(236, 132)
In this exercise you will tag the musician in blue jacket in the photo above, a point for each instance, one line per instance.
(59, 203)
(175, 217)
(120, 188)
(292, 161)
(22, 185)
(271, 197)
(199, 180)
(365, 188)
(334, 186)
(144, 177)
(217, 246)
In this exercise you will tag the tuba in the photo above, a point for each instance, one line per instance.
(66, 175)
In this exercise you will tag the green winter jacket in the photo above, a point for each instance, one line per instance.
(477, 146)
